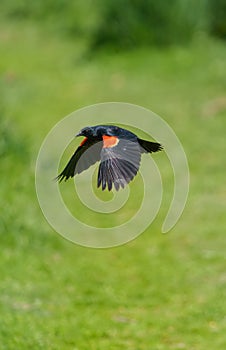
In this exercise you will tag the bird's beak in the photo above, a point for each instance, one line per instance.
(79, 134)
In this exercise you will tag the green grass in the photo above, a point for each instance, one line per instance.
(157, 292)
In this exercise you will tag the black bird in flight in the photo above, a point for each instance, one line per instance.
(118, 150)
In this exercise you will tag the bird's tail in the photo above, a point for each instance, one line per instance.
(148, 146)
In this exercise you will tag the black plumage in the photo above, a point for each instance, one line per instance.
(118, 150)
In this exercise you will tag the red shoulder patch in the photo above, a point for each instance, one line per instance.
(110, 141)
(83, 141)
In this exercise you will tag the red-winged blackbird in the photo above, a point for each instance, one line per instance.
(118, 150)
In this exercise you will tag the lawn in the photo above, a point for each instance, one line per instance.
(157, 292)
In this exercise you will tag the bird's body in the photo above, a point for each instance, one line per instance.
(118, 150)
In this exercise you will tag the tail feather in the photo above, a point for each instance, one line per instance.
(148, 146)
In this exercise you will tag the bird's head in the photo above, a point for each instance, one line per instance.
(87, 132)
(99, 130)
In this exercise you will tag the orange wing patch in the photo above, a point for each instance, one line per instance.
(110, 141)
(83, 141)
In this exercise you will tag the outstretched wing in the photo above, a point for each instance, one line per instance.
(87, 154)
(120, 161)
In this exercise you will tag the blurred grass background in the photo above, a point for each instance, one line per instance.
(159, 291)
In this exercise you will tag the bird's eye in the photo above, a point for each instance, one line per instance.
(87, 131)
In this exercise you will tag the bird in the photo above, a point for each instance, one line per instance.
(117, 149)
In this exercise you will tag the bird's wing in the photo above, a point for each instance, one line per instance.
(87, 154)
(120, 161)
